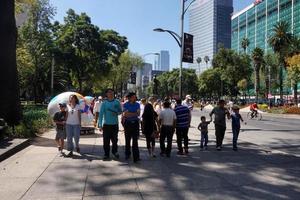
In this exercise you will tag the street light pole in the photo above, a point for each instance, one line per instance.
(181, 48)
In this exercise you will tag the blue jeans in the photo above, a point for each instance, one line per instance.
(204, 139)
(73, 131)
(235, 132)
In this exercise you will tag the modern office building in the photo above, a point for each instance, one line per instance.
(210, 24)
(256, 22)
(164, 61)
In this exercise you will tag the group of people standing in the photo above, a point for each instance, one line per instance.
(155, 124)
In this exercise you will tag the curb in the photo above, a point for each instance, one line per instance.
(15, 149)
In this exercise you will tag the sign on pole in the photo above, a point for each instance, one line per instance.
(188, 53)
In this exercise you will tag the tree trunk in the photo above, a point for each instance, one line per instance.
(10, 108)
(281, 82)
(295, 86)
(257, 82)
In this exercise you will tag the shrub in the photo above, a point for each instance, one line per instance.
(35, 120)
(292, 110)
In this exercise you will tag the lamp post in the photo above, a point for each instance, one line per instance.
(152, 53)
(179, 39)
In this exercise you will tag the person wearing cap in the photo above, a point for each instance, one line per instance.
(236, 126)
(188, 102)
(109, 123)
(60, 121)
(220, 113)
(131, 113)
(96, 109)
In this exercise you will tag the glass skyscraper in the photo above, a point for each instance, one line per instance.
(210, 24)
(256, 22)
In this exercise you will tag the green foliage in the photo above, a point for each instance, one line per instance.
(85, 50)
(210, 83)
(245, 43)
(169, 83)
(35, 120)
(234, 67)
(258, 60)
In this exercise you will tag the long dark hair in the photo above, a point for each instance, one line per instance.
(73, 96)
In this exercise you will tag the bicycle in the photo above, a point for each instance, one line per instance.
(257, 116)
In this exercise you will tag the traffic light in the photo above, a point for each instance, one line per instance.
(133, 77)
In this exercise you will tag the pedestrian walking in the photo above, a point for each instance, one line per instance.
(109, 123)
(183, 121)
(203, 128)
(73, 124)
(167, 123)
(236, 119)
(60, 121)
(96, 110)
(131, 113)
(220, 113)
(150, 129)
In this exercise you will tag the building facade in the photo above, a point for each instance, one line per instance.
(256, 22)
(164, 61)
(210, 24)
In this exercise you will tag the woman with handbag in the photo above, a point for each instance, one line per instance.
(150, 126)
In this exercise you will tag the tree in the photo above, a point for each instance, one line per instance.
(85, 50)
(206, 60)
(294, 73)
(258, 61)
(169, 83)
(10, 108)
(280, 41)
(35, 50)
(243, 85)
(199, 60)
(270, 70)
(209, 83)
(234, 67)
(245, 43)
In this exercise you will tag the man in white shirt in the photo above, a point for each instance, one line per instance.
(96, 110)
(167, 123)
(188, 102)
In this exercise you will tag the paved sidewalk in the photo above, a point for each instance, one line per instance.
(38, 172)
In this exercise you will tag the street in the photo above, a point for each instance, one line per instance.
(267, 166)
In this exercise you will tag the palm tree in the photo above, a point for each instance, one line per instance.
(258, 61)
(245, 43)
(206, 59)
(199, 60)
(269, 68)
(9, 84)
(280, 41)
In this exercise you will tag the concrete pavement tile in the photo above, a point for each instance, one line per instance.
(67, 169)
(23, 170)
(268, 191)
(133, 196)
(99, 168)
(50, 186)
(14, 188)
(109, 185)
(55, 198)
(216, 194)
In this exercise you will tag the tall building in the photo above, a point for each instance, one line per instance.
(210, 24)
(164, 61)
(257, 20)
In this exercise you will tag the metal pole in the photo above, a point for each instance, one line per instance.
(52, 75)
(269, 87)
(181, 48)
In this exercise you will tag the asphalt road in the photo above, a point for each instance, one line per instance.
(273, 133)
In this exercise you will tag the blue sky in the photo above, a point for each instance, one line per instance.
(136, 19)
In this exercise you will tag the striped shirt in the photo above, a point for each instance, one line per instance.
(183, 116)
